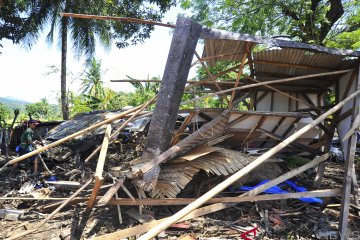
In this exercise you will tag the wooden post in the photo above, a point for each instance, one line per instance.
(99, 169)
(176, 71)
(220, 187)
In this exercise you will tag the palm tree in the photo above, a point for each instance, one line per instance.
(92, 84)
(85, 32)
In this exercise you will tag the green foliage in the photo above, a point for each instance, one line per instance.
(4, 112)
(43, 110)
(311, 21)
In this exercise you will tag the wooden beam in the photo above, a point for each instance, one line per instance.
(350, 83)
(289, 65)
(269, 82)
(111, 192)
(282, 119)
(121, 19)
(236, 176)
(251, 198)
(287, 175)
(99, 168)
(292, 125)
(256, 126)
(182, 128)
(294, 144)
(241, 69)
(210, 74)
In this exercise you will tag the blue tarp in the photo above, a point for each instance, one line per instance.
(278, 190)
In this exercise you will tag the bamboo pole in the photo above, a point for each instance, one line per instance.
(268, 82)
(60, 141)
(121, 19)
(52, 214)
(220, 187)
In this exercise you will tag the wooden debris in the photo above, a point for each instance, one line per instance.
(99, 169)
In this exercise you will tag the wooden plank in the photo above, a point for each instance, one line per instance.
(294, 144)
(236, 176)
(269, 82)
(121, 19)
(282, 119)
(241, 69)
(182, 128)
(250, 198)
(290, 127)
(346, 190)
(143, 228)
(99, 168)
(287, 175)
(111, 192)
(256, 126)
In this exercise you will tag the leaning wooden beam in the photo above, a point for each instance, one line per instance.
(220, 187)
(99, 169)
(210, 74)
(269, 82)
(239, 199)
(121, 19)
(255, 127)
(72, 136)
(241, 69)
(294, 144)
(115, 134)
(52, 214)
(345, 200)
(182, 128)
(287, 175)
(143, 228)
(111, 192)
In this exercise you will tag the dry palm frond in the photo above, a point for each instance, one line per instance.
(176, 174)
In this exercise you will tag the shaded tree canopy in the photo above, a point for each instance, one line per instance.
(312, 21)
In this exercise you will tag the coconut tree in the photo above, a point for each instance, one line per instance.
(84, 32)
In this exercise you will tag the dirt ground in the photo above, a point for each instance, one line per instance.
(285, 219)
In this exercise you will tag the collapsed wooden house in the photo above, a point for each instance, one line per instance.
(285, 94)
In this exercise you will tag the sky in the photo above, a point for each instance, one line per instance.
(23, 72)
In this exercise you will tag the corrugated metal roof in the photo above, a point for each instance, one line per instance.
(328, 62)
(224, 47)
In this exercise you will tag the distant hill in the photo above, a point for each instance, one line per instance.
(13, 103)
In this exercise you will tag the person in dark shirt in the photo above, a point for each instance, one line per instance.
(27, 143)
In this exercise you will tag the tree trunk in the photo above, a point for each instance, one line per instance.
(64, 100)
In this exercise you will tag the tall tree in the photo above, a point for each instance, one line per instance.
(92, 84)
(37, 14)
(310, 21)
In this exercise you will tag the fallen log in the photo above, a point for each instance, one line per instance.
(220, 187)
